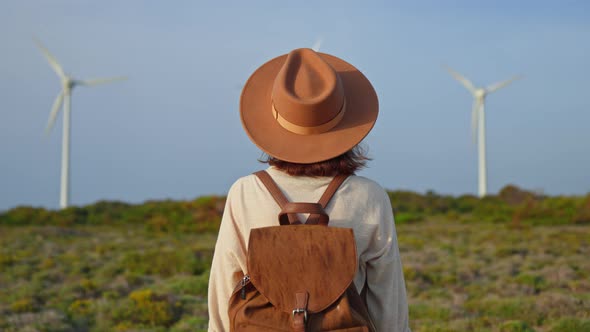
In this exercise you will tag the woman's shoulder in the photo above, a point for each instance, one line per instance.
(367, 188)
(365, 184)
(242, 183)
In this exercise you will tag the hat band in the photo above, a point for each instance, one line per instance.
(303, 130)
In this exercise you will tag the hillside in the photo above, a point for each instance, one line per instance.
(510, 205)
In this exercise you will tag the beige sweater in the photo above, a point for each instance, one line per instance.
(360, 204)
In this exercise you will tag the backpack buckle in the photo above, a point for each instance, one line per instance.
(300, 311)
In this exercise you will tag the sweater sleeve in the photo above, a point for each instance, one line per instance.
(386, 290)
(227, 266)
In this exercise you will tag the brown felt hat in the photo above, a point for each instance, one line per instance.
(306, 107)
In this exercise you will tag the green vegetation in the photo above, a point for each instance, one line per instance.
(200, 215)
(515, 262)
(489, 277)
(103, 278)
(512, 205)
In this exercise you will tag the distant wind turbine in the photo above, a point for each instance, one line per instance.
(64, 97)
(317, 45)
(478, 123)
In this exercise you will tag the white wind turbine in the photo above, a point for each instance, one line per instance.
(317, 45)
(64, 97)
(478, 122)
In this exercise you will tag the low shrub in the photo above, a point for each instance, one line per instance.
(571, 325)
(152, 309)
(516, 326)
(23, 305)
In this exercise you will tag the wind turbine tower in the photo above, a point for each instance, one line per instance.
(68, 83)
(478, 122)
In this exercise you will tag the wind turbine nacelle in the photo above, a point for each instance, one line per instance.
(480, 93)
(68, 83)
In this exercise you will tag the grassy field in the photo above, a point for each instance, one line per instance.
(460, 277)
(98, 278)
(486, 277)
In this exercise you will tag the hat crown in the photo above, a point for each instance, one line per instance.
(307, 91)
(286, 102)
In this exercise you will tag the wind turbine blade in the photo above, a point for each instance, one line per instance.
(474, 119)
(317, 45)
(51, 59)
(101, 81)
(497, 86)
(466, 83)
(54, 110)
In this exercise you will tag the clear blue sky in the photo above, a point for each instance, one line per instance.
(173, 130)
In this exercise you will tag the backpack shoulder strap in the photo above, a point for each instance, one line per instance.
(331, 190)
(283, 202)
(327, 196)
(272, 188)
(276, 193)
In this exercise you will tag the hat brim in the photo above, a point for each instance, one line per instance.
(362, 107)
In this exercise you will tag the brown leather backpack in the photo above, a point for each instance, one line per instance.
(300, 275)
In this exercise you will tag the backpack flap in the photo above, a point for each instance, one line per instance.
(286, 260)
